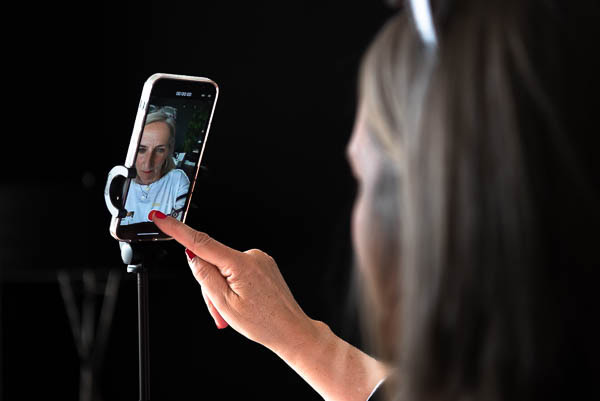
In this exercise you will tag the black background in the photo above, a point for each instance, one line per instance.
(278, 181)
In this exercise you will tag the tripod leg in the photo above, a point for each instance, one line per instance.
(143, 334)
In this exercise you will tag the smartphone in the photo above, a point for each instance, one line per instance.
(165, 151)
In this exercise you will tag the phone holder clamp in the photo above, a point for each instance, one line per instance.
(115, 188)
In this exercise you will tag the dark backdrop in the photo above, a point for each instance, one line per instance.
(278, 180)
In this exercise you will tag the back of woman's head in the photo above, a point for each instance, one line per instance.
(488, 137)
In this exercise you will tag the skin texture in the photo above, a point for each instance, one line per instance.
(152, 152)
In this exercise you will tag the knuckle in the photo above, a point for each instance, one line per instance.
(201, 239)
(254, 252)
(259, 255)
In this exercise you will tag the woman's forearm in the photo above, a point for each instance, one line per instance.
(330, 365)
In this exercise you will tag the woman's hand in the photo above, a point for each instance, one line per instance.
(246, 290)
(243, 289)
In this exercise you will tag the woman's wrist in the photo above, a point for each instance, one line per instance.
(335, 369)
(306, 336)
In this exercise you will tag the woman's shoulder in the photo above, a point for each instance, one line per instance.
(178, 175)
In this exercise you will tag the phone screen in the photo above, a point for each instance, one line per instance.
(168, 155)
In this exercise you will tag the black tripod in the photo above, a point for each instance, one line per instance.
(132, 256)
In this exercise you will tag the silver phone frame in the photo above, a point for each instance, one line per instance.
(136, 136)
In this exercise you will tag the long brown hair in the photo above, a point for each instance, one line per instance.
(491, 190)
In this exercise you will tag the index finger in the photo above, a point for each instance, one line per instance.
(203, 246)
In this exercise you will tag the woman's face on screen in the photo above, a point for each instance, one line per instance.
(152, 152)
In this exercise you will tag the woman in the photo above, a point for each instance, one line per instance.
(158, 184)
(472, 223)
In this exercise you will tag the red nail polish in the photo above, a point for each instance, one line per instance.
(156, 213)
(189, 254)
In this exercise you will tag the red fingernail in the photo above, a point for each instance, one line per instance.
(157, 214)
(189, 254)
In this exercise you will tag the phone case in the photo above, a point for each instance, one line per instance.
(134, 142)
